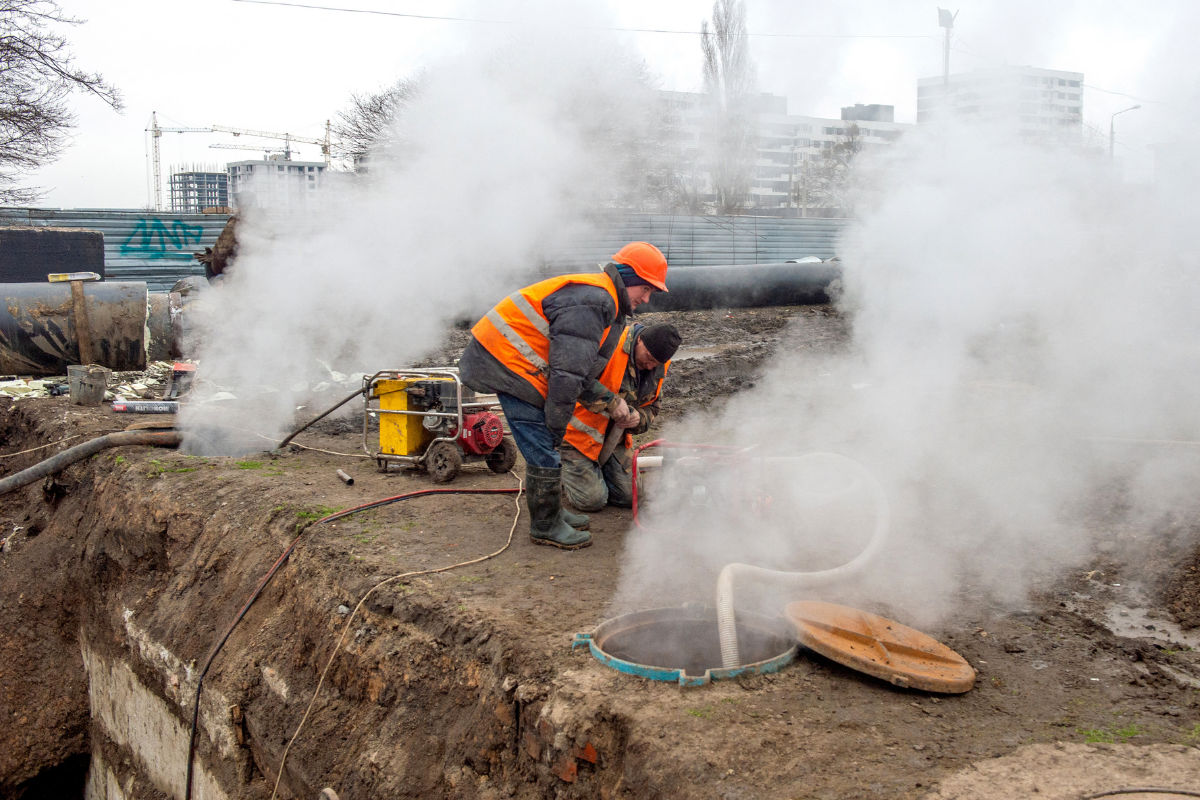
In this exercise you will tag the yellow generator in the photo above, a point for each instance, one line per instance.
(428, 420)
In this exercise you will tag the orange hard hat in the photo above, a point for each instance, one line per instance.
(647, 261)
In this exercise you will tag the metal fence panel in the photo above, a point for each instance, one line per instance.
(158, 248)
(689, 241)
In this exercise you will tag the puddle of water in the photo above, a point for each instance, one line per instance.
(1133, 622)
(684, 353)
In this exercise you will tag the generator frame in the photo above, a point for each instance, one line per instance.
(384, 460)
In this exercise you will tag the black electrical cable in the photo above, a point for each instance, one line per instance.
(262, 584)
(318, 418)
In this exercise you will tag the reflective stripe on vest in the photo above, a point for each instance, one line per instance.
(586, 430)
(517, 332)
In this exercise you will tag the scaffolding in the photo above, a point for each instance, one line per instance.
(195, 189)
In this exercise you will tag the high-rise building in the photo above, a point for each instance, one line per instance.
(279, 184)
(786, 144)
(871, 113)
(195, 189)
(1038, 104)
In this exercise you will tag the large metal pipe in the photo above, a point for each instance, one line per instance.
(164, 325)
(38, 334)
(746, 286)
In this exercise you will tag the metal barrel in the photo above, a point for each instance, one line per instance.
(745, 286)
(38, 334)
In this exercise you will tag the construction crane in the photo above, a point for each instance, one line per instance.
(287, 153)
(287, 137)
(156, 133)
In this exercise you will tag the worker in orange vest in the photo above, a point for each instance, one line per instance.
(542, 348)
(591, 476)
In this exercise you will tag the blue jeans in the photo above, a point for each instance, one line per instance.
(529, 431)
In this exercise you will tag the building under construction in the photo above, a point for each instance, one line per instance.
(196, 189)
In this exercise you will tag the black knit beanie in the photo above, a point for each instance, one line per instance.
(661, 340)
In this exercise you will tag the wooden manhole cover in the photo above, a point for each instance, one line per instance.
(880, 647)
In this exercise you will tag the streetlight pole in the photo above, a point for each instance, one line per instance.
(1111, 139)
(946, 20)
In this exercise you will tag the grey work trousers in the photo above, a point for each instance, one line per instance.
(589, 486)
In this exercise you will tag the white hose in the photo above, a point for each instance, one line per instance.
(726, 622)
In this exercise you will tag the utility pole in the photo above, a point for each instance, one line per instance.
(1111, 138)
(946, 20)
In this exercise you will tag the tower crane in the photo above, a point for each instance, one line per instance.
(156, 133)
(287, 137)
(287, 153)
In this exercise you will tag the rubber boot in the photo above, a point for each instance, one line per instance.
(580, 522)
(546, 525)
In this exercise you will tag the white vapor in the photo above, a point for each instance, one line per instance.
(1011, 305)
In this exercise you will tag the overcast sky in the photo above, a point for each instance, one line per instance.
(276, 68)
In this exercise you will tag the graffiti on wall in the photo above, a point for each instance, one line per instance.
(156, 238)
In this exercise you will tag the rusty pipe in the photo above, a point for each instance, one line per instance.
(38, 333)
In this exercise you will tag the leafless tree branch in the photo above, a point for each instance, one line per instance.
(729, 86)
(37, 73)
(367, 128)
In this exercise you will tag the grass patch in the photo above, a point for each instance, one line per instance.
(119, 460)
(249, 465)
(471, 579)
(1111, 734)
(320, 512)
(700, 713)
(1192, 737)
(160, 469)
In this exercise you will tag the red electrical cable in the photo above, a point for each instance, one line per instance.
(267, 579)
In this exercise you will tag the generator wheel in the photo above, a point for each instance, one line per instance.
(504, 457)
(443, 461)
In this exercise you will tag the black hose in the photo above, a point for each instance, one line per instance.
(262, 584)
(318, 418)
(79, 452)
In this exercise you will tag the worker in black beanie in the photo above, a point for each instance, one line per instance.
(596, 451)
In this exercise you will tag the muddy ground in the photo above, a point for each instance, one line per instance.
(464, 683)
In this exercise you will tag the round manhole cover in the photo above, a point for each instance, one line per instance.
(880, 647)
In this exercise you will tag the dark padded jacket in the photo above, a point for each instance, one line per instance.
(578, 314)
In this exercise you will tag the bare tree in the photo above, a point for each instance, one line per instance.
(367, 128)
(37, 73)
(729, 86)
(835, 182)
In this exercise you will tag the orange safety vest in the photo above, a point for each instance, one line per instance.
(586, 430)
(517, 332)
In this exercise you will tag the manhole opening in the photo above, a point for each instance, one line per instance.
(692, 644)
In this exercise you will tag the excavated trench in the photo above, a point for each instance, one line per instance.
(120, 575)
(117, 576)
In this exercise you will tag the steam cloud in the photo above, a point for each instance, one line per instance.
(1010, 304)
(503, 149)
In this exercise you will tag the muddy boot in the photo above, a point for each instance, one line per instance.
(547, 525)
(580, 522)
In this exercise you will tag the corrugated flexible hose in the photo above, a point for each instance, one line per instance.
(726, 617)
(79, 452)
